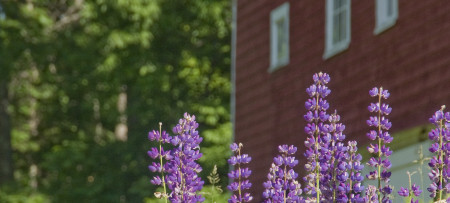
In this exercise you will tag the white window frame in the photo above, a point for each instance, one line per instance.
(278, 14)
(384, 20)
(333, 48)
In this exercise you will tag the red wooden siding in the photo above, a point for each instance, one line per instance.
(411, 59)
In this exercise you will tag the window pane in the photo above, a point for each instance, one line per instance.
(390, 7)
(343, 25)
(337, 4)
(281, 39)
(339, 21)
(336, 27)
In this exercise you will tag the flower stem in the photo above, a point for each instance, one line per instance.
(350, 181)
(317, 168)
(334, 182)
(239, 168)
(317, 172)
(161, 163)
(379, 147)
(410, 190)
(182, 181)
(285, 180)
(441, 160)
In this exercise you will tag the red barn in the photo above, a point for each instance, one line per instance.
(278, 45)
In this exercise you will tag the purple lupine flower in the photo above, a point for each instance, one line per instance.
(354, 169)
(371, 194)
(404, 192)
(412, 192)
(343, 178)
(416, 190)
(381, 152)
(318, 138)
(334, 173)
(282, 184)
(239, 174)
(161, 137)
(183, 169)
(440, 163)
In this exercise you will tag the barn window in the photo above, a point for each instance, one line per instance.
(279, 37)
(386, 12)
(337, 28)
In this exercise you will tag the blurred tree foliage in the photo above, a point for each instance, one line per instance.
(87, 80)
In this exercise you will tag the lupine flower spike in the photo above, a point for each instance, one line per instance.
(239, 175)
(344, 166)
(318, 139)
(282, 184)
(337, 170)
(381, 153)
(350, 191)
(440, 163)
(183, 170)
(161, 138)
(333, 169)
(413, 191)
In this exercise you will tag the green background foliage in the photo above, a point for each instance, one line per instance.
(67, 65)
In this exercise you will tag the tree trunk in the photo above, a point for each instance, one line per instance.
(6, 164)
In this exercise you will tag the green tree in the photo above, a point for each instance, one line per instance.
(20, 34)
(88, 79)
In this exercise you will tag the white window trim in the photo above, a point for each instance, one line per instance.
(278, 13)
(382, 21)
(330, 48)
